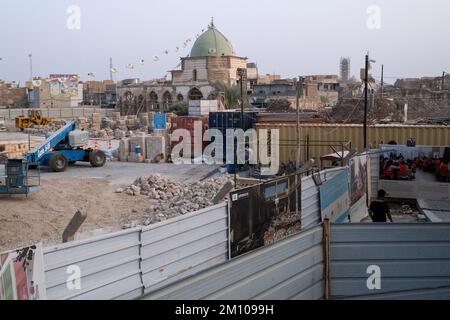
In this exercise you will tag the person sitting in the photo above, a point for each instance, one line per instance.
(403, 170)
(413, 170)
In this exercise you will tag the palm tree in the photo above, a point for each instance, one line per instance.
(231, 94)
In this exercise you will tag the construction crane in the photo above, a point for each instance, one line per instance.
(63, 147)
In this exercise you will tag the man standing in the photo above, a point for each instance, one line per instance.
(378, 209)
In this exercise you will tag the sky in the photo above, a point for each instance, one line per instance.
(287, 37)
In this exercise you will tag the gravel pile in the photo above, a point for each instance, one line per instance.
(168, 199)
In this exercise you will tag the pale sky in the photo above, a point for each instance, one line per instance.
(287, 37)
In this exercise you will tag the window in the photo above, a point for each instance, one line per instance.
(194, 76)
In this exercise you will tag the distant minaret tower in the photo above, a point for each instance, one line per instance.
(111, 69)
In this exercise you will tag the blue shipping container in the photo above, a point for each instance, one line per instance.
(159, 121)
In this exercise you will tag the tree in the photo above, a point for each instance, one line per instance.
(231, 94)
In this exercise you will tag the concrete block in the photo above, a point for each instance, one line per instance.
(156, 148)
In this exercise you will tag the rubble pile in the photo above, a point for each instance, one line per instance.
(44, 130)
(278, 105)
(281, 226)
(171, 199)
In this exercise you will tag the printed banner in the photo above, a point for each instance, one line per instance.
(263, 214)
(64, 85)
(358, 178)
(22, 274)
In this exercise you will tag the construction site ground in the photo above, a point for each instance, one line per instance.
(42, 216)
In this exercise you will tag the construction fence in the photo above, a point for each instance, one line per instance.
(189, 257)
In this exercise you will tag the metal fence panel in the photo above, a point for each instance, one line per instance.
(310, 208)
(183, 246)
(109, 266)
(414, 260)
(291, 268)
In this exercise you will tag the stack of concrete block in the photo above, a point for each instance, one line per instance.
(150, 119)
(138, 140)
(83, 123)
(121, 124)
(124, 149)
(132, 122)
(156, 149)
(116, 116)
(96, 120)
(16, 149)
(165, 133)
(144, 120)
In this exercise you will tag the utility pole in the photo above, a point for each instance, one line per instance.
(30, 56)
(443, 81)
(366, 81)
(111, 69)
(298, 85)
(382, 80)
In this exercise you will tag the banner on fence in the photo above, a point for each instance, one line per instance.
(335, 198)
(263, 214)
(358, 178)
(22, 274)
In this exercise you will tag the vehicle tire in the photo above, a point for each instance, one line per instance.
(58, 162)
(97, 158)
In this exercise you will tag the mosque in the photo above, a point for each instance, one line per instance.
(212, 60)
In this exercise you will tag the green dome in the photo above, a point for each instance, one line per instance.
(212, 43)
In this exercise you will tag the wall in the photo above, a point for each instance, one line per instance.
(414, 260)
(377, 134)
(63, 113)
(289, 269)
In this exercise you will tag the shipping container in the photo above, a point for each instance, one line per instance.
(231, 119)
(322, 136)
(188, 123)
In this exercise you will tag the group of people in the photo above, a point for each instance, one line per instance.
(396, 167)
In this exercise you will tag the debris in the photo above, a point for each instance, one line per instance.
(170, 199)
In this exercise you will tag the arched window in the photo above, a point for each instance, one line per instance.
(195, 94)
(194, 75)
(180, 97)
(153, 100)
(167, 99)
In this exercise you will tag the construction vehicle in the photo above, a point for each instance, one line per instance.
(34, 117)
(2, 124)
(63, 147)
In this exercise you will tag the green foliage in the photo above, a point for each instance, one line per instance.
(180, 109)
(231, 94)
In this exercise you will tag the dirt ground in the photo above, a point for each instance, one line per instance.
(42, 216)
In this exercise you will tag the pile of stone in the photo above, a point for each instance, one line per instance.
(171, 199)
(44, 130)
(281, 226)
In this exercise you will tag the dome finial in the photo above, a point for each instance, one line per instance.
(211, 25)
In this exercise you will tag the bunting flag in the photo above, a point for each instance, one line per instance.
(90, 74)
(114, 70)
(142, 61)
(155, 58)
(129, 66)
